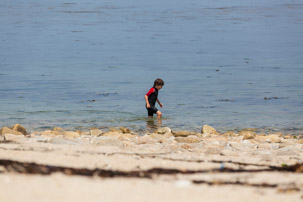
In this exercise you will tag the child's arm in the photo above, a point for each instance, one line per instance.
(161, 105)
(147, 102)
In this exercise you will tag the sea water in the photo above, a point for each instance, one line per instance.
(87, 63)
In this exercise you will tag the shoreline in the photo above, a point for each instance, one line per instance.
(191, 165)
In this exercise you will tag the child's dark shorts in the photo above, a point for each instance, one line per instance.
(152, 110)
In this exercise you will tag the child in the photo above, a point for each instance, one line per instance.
(151, 97)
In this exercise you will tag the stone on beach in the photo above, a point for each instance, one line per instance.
(247, 134)
(190, 139)
(50, 133)
(20, 128)
(6, 130)
(163, 130)
(206, 129)
(269, 138)
(183, 133)
(95, 132)
(58, 129)
(71, 134)
(125, 130)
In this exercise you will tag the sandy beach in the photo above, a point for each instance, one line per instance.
(163, 165)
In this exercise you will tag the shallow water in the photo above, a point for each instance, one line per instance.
(81, 64)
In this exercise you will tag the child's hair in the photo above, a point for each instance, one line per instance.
(158, 82)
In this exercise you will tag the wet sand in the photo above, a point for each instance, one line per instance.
(163, 165)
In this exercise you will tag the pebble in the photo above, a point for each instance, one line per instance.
(20, 128)
(190, 139)
(183, 133)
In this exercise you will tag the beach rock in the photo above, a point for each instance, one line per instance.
(163, 130)
(58, 129)
(61, 140)
(71, 134)
(112, 134)
(183, 133)
(300, 141)
(288, 137)
(6, 130)
(146, 139)
(107, 141)
(125, 130)
(115, 130)
(190, 139)
(208, 129)
(125, 137)
(269, 138)
(229, 153)
(186, 147)
(14, 138)
(247, 134)
(20, 128)
(95, 132)
(230, 134)
(213, 150)
(49, 133)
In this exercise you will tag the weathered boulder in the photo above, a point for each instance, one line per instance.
(6, 130)
(206, 129)
(247, 135)
(183, 133)
(96, 132)
(20, 128)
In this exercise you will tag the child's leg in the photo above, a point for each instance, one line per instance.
(159, 114)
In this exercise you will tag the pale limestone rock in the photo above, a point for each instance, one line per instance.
(20, 128)
(14, 138)
(288, 137)
(206, 129)
(49, 133)
(190, 139)
(213, 150)
(229, 153)
(112, 134)
(61, 140)
(125, 137)
(186, 147)
(58, 129)
(95, 132)
(6, 130)
(230, 134)
(247, 134)
(163, 130)
(269, 138)
(300, 141)
(115, 130)
(71, 134)
(125, 130)
(183, 133)
(146, 139)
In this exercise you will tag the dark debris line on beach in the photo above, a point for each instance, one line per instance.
(41, 169)
(34, 168)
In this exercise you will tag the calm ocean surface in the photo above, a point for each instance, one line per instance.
(87, 63)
